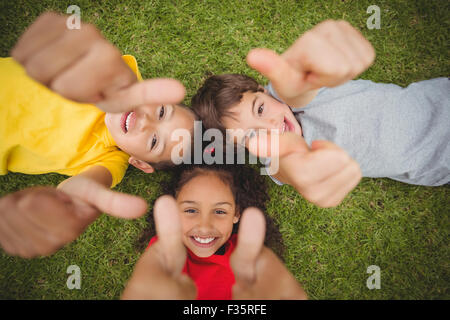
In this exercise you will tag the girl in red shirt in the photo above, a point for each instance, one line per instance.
(197, 253)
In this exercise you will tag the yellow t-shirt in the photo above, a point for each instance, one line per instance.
(42, 132)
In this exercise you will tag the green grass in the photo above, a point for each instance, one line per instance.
(404, 229)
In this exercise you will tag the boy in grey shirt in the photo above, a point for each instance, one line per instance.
(391, 132)
(394, 132)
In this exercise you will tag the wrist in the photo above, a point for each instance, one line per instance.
(301, 100)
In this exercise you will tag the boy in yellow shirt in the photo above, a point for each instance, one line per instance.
(42, 131)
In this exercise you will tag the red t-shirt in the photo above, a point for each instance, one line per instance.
(213, 275)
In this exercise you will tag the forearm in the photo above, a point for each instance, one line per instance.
(98, 174)
(291, 288)
(145, 278)
(150, 280)
(302, 100)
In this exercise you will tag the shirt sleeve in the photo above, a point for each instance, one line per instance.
(116, 162)
(132, 63)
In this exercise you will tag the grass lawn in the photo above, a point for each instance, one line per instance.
(403, 229)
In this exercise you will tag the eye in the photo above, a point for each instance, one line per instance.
(261, 109)
(154, 140)
(161, 112)
(190, 210)
(218, 211)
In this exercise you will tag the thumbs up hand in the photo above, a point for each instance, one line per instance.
(158, 273)
(259, 274)
(38, 221)
(328, 55)
(81, 65)
(323, 174)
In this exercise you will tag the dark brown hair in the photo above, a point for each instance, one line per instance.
(218, 94)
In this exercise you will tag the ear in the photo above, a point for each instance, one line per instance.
(236, 217)
(141, 165)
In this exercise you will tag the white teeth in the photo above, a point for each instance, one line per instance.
(127, 122)
(204, 240)
(283, 128)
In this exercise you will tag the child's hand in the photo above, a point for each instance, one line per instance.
(40, 220)
(328, 55)
(81, 65)
(259, 274)
(323, 175)
(158, 273)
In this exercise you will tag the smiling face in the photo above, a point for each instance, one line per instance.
(207, 213)
(145, 133)
(258, 110)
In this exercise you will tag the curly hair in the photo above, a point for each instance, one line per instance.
(248, 187)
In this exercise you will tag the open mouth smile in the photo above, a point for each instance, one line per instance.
(203, 242)
(127, 121)
(287, 126)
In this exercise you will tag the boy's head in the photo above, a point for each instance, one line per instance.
(234, 101)
(145, 133)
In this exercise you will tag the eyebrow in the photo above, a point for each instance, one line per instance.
(164, 142)
(188, 201)
(167, 119)
(253, 105)
(221, 203)
(216, 204)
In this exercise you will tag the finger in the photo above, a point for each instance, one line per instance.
(363, 48)
(61, 54)
(319, 58)
(47, 27)
(289, 78)
(114, 203)
(148, 92)
(168, 228)
(51, 213)
(345, 50)
(273, 144)
(84, 81)
(252, 229)
(7, 240)
(12, 226)
(37, 240)
(317, 166)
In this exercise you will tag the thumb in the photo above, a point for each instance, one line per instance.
(114, 203)
(249, 245)
(286, 79)
(153, 91)
(168, 228)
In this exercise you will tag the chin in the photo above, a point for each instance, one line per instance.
(203, 254)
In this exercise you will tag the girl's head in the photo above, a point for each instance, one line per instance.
(211, 199)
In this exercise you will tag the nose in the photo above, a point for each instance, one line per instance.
(144, 121)
(205, 224)
(271, 123)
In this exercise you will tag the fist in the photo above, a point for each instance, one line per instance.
(328, 55)
(81, 65)
(40, 220)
